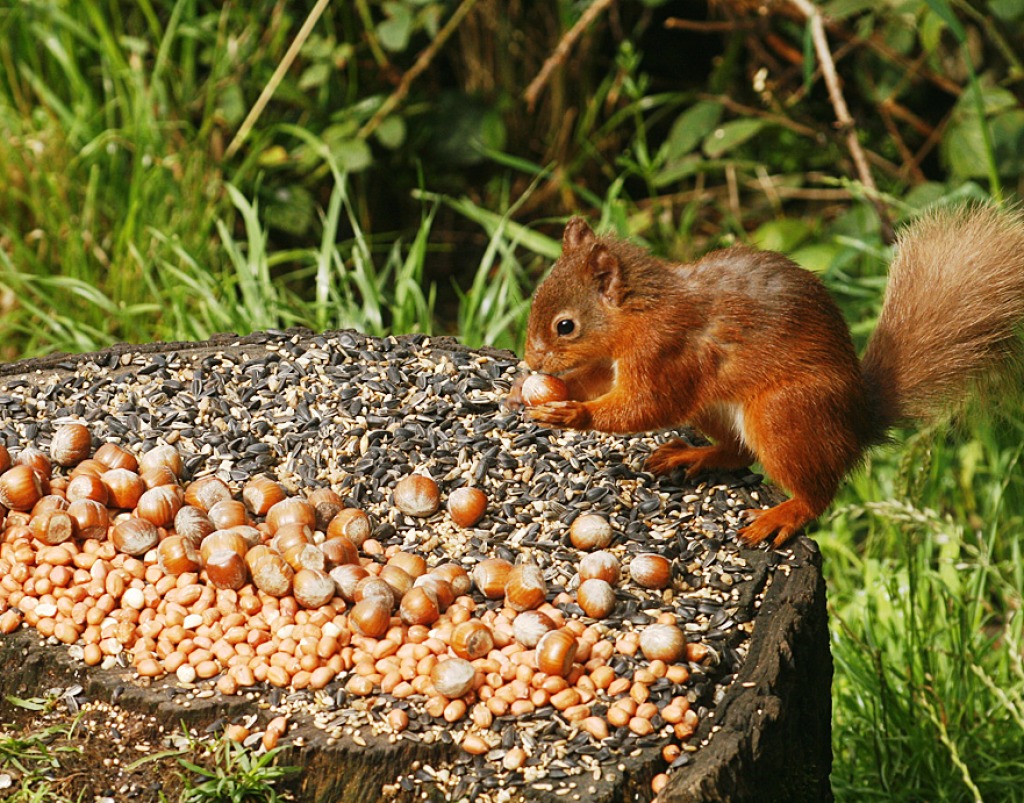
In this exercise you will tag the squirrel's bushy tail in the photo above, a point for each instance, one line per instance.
(952, 313)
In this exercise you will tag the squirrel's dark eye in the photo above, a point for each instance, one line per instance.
(566, 326)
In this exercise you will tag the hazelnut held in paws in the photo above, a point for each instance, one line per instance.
(750, 349)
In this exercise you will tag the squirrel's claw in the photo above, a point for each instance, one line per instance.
(569, 414)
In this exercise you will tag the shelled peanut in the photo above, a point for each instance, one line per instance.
(121, 557)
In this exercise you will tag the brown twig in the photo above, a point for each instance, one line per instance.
(561, 52)
(753, 111)
(844, 120)
(283, 66)
(910, 166)
(423, 60)
(701, 26)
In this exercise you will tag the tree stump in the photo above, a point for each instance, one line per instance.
(355, 413)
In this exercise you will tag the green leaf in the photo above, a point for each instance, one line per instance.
(1007, 10)
(394, 32)
(930, 31)
(945, 12)
(29, 704)
(352, 154)
(841, 9)
(818, 257)
(731, 135)
(391, 132)
(290, 209)
(690, 128)
(315, 75)
(783, 235)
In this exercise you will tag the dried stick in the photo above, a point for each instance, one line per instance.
(561, 52)
(701, 26)
(843, 119)
(276, 78)
(423, 61)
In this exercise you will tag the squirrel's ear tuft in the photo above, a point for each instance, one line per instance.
(577, 233)
(607, 272)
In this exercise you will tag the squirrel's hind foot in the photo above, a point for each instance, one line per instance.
(695, 459)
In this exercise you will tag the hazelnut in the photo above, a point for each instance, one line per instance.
(71, 444)
(438, 586)
(52, 527)
(220, 540)
(529, 626)
(596, 597)
(419, 607)
(412, 564)
(86, 486)
(36, 459)
(176, 555)
(339, 550)
(192, 523)
(490, 576)
(351, 522)
(346, 577)
(114, 456)
(261, 493)
(291, 511)
(312, 588)
(304, 556)
(472, 639)
(371, 587)
(650, 570)
(227, 513)
(135, 536)
(590, 531)
(662, 642)
(543, 388)
(49, 502)
(327, 504)
(159, 476)
(20, 487)
(160, 505)
(205, 492)
(600, 565)
(370, 617)
(456, 576)
(417, 495)
(525, 587)
(124, 487)
(555, 652)
(291, 535)
(271, 574)
(91, 518)
(90, 467)
(164, 456)
(453, 677)
(399, 580)
(467, 506)
(226, 569)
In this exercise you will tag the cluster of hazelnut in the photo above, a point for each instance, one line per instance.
(120, 556)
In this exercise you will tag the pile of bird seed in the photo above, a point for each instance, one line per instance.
(357, 414)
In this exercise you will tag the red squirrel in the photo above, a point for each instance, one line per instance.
(751, 350)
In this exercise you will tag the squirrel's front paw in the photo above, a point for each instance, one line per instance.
(570, 414)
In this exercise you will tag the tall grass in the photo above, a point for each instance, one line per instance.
(926, 591)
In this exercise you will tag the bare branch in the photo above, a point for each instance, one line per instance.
(561, 52)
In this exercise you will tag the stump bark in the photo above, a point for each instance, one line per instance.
(768, 738)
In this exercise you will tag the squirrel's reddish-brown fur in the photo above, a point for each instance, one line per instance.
(750, 349)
